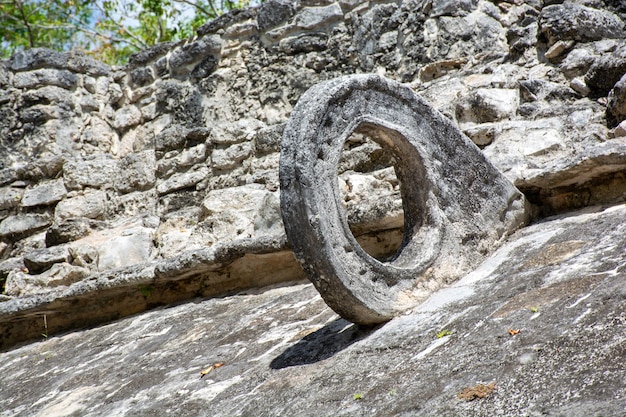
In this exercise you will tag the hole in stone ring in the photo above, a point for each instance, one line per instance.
(370, 192)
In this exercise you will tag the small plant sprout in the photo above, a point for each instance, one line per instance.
(358, 396)
(534, 309)
(443, 333)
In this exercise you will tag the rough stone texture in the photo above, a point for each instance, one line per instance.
(542, 321)
(580, 23)
(555, 142)
(457, 205)
(616, 109)
(44, 193)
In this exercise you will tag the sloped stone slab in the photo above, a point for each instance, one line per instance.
(559, 284)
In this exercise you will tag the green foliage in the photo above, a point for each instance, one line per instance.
(35, 23)
(146, 290)
(443, 333)
(358, 396)
(110, 30)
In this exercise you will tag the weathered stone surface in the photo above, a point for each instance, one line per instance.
(580, 23)
(193, 52)
(20, 224)
(136, 172)
(67, 230)
(182, 180)
(10, 197)
(178, 136)
(42, 77)
(241, 212)
(40, 260)
(560, 283)
(89, 204)
(44, 193)
(606, 71)
(134, 246)
(557, 144)
(230, 157)
(95, 172)
(458, 223)
(273, 12)
(127, 117)
(58, 275)
(616, 107)
(489, 105)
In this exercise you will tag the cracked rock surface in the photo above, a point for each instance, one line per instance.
(538, 329)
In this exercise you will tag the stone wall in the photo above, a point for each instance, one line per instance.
(169, 164)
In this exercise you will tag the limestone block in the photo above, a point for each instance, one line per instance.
(134, 246)
(274, 12)
(578, 84)
(24, 223)
(372, 202)
(49, 94)
(230, 157)
(89, 204)
(41, 260)
(60, 274)
(141, 76)
(182, 180)
(307, 42)
(136, 172)
(88, 104)
(314, 17)
(10, 197)
(239, 131)
(95, 172)
(570, 21)
(451, 8)
(193, 52)
(127, 117)
(137, 203)
(44, 193)
(241, 212)
(456, 204)
(577, 62)
(100, 134)
(268, 139)
(488, 105)
(46, 76)
(177, 136)
(607, 71)
(67, 230)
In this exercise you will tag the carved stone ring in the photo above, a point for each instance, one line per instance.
(457, 205)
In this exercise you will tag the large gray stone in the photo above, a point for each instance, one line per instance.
(44, 193)
(90, 204)
(24, 223)
(577, 22)
(274, 12)
(42, 77)
(457, 206)
(10, 197)
(560, 283)
(95, 172)
(137, 172)
(40, 260)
